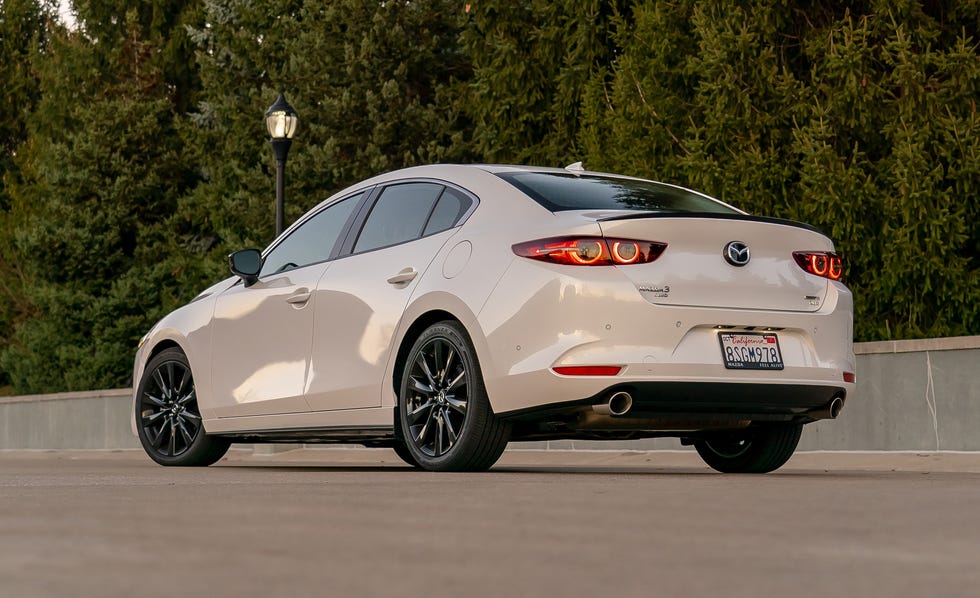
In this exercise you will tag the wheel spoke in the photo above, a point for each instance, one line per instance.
(183, 381)
(149, 419)
(440, 428)
(425, 428)
(159, 437)
(437, 360)
(153, 399)
(188, 398)
(190, 415)
(416, 414)
(445, 370)
(450, 432)
(188, 437)
(421, 387)
(158, 378)
(458, 381)
(425, 369)
(458, 405)
(172, 449)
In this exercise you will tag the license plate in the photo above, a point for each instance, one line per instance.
(750, 351)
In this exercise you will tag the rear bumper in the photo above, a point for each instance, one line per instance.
(702, 400)
(687, 410)
(539, 317)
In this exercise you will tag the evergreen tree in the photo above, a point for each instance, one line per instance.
(96, 210)
(23, 33)
(531, 61)
(860, 120)
(374, 84)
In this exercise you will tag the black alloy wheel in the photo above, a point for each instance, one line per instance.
(758, 449)
(445, 415)
(169, 420)
(438, 399)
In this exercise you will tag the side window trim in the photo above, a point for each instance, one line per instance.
(360, 217)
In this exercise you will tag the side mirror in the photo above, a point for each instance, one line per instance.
(246, 264)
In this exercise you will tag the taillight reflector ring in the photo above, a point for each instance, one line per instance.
(825, 264)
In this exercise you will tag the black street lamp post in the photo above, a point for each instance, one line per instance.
(281, 121)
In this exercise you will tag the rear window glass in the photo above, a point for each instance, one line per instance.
(559, 192)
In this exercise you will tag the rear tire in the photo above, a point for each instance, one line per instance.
(168, 419)
(444, 414)
(755, 450)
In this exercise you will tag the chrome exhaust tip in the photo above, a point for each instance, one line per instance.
(830, 411)
(835, 407)
(619, 403)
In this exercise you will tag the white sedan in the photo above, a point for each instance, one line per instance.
(446, 310)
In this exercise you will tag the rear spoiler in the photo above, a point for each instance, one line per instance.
(744, 217)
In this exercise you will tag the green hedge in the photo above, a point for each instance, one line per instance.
(143, 162)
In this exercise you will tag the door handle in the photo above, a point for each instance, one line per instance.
(300, 297)
(406, 275)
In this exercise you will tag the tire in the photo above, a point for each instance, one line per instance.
(444, 413)
(756, 450)
(405, 454)
(168, 419)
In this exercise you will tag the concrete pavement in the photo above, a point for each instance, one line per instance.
(351, 522)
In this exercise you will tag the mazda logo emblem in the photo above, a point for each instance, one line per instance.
(737, 253)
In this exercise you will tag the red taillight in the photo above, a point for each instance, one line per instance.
(849, 377)
(822, 263)
(587, 370)
(590, 251)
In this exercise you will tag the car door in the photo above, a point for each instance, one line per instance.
(262, 333)
(360, 300)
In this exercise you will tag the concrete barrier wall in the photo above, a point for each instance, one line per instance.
(96, 419)
(911, 395)
(921, 395)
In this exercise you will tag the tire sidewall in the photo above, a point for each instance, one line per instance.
(769, 447)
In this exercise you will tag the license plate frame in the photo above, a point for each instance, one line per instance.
(751, 351)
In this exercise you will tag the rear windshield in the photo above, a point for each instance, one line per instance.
(558, 192)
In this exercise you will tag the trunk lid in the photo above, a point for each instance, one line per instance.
(693, 270)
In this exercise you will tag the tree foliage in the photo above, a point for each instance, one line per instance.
(100, 176)
(134, 159)
(860, 120)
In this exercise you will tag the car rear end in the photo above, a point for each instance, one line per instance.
(662, 313)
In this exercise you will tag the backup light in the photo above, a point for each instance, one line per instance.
(590, 251)
(826, 264)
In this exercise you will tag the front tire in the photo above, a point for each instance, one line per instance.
(168, 419)
(756, 450)
(403, 452)
(444, 413)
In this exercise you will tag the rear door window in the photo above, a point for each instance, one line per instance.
(399, 215)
